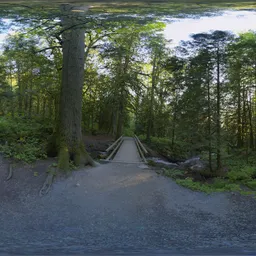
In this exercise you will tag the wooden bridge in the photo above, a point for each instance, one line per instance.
(127, 150)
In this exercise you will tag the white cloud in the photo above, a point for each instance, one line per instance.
(235, 21)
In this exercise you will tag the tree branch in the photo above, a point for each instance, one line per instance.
(48, 48)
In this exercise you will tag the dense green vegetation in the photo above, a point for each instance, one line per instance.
(198, 99)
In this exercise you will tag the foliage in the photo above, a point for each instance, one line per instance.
(173, 173)
(177, 151)
(244, 174)
(251, 184)
(218, 185)
(23, 139)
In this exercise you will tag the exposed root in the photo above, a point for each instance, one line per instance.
(47, 184)
(10, 172)
(91, 162)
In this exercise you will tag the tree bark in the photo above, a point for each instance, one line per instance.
(151, 107)
(239, 123)
(20, 97)
(218, 123)
(71, 145)
(209, 119)
(251, 123)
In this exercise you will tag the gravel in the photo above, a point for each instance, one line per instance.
(126, 209)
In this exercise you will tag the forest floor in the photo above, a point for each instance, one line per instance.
(125, 208)
(29, 178)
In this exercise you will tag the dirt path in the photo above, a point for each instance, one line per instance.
(128, 152)
(127, 208)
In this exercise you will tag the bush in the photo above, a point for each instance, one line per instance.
(251, 184)
(173, 173)
(23, 139)
(243, 174)
(164, 146)
(128, 132)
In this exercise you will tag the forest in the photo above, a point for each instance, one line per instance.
(64, 75)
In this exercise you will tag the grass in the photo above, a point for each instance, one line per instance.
(217, 186)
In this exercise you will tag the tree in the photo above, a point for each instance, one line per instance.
(71, 144)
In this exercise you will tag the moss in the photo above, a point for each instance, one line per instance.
(63, 161)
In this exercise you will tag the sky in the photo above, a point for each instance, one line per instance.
(235, 21)
(182, 28)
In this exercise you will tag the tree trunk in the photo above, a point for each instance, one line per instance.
(244, 122)
(120, 116)
(174, 119)
(151, 107)
(209, 120)
(218, 123)
(239, 123)
(71, 145)
(251, 123)
(44, 106)
(19, 89)
(38, 105)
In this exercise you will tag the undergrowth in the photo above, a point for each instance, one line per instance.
(238, 172)
(177, 150)
(23, 139)
(218, 185)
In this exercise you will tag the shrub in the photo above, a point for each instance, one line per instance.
(164, 146)
(251, 184)
(243, 174)
(173, 173)
(23, 139)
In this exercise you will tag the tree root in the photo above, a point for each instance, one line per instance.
(10, 173)
(47, 184)
(91, 162)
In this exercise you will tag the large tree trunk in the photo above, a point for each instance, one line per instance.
(71, 145)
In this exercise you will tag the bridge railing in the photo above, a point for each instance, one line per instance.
(115, 146)
(141, 148)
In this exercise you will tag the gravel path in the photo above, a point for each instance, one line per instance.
(127, 208)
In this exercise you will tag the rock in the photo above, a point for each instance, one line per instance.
(197, 167)
(162, 164)
(194, 164)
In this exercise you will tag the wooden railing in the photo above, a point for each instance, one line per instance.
(141, 148)
(115, 146)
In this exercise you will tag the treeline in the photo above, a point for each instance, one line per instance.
(200, 95)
